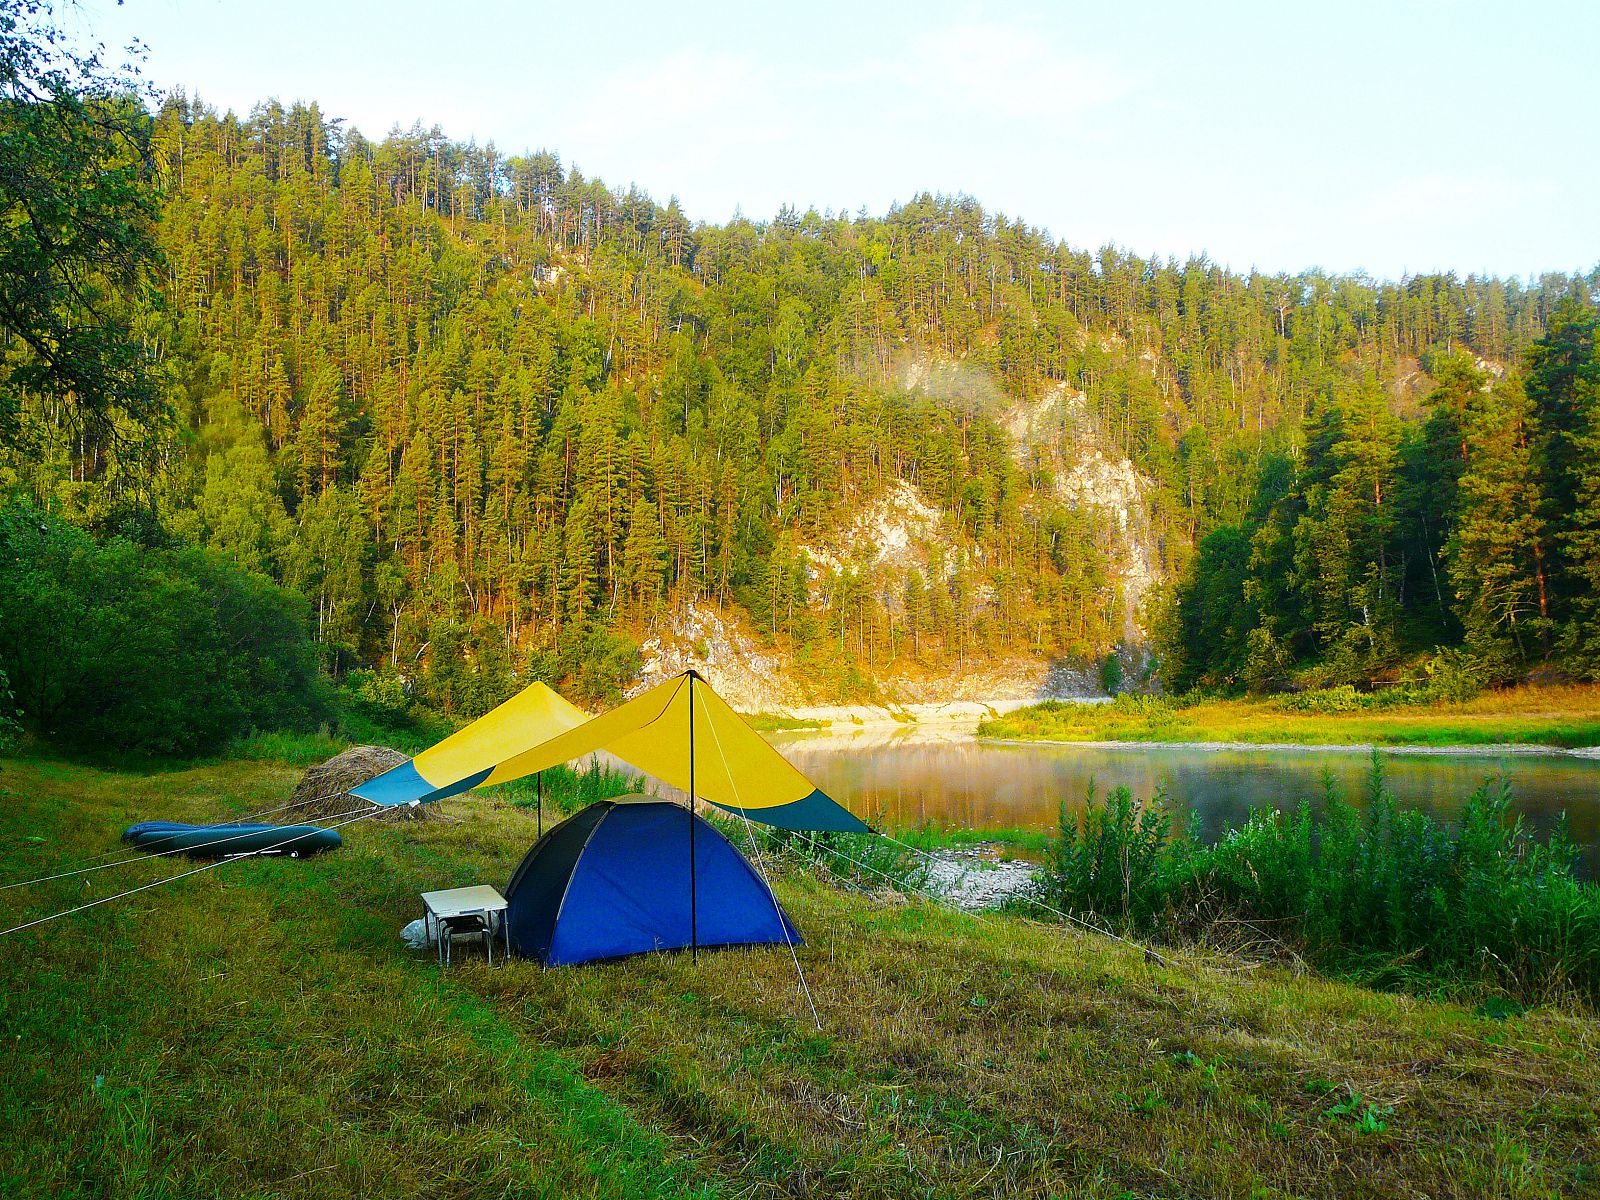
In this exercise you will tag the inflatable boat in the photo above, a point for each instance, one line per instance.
(227, 841)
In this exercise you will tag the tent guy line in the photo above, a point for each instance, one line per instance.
(683, 680)
(1040, 904)
(766, 878)
(221, 862)
(761, 862)
(944, 902)
(931, 897)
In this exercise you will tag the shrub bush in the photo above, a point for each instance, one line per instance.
(169, 652)
(376, 708)
(1327, 701)
(1444, 681)
(8, 713)
(378, 696)
(1112, 863)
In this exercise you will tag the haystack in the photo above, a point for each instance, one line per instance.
(326, 787)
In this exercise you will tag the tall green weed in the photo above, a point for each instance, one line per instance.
(566, 788)
(1381, 892)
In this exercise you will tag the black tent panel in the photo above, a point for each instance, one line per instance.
(536, 887)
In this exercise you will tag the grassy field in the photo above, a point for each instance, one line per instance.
(260, 1030)
(1549, 716)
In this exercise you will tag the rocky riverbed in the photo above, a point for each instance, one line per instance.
(975, 877)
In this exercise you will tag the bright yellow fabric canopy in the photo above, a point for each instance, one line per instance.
(733, 766)
(467, 757)
(534, 714)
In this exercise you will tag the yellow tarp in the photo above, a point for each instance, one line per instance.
(467, 757)
(734, 767)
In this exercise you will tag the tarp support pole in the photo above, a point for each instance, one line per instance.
(538, 799)
(694, 907)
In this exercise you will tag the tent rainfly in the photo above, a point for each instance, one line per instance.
(679, 731)
(685, 735)
(472, 757)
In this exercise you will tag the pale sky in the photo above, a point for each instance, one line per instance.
(1388, 137)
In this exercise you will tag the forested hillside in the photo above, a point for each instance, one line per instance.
(488, 415)
(1472, 525)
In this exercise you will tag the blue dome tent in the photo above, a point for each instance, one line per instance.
(615, 879)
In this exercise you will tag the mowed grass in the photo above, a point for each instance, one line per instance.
(1567, 716)
(259, 1030)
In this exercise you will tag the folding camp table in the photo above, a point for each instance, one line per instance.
(458, 902)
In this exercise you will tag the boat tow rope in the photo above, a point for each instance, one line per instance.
(139, 857)
(221, 862)
(783, 920)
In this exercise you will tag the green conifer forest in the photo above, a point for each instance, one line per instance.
(492, 418)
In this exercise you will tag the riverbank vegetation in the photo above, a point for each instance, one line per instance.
(1008, 843)
(1385, 894)
(777, 723)
(261, 1030)
(1566, 716)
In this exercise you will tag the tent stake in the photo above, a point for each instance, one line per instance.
(694, 908)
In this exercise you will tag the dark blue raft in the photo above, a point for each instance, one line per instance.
(225, 841)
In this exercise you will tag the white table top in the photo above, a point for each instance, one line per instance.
(454, 901)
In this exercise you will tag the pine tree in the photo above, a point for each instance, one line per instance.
(579, 573)
(1563, 383)
(645, 555)
(1580, 539)
(1342, 544)
(1493, 554)
(320, 432)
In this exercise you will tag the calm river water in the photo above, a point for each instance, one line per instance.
(953, 780)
